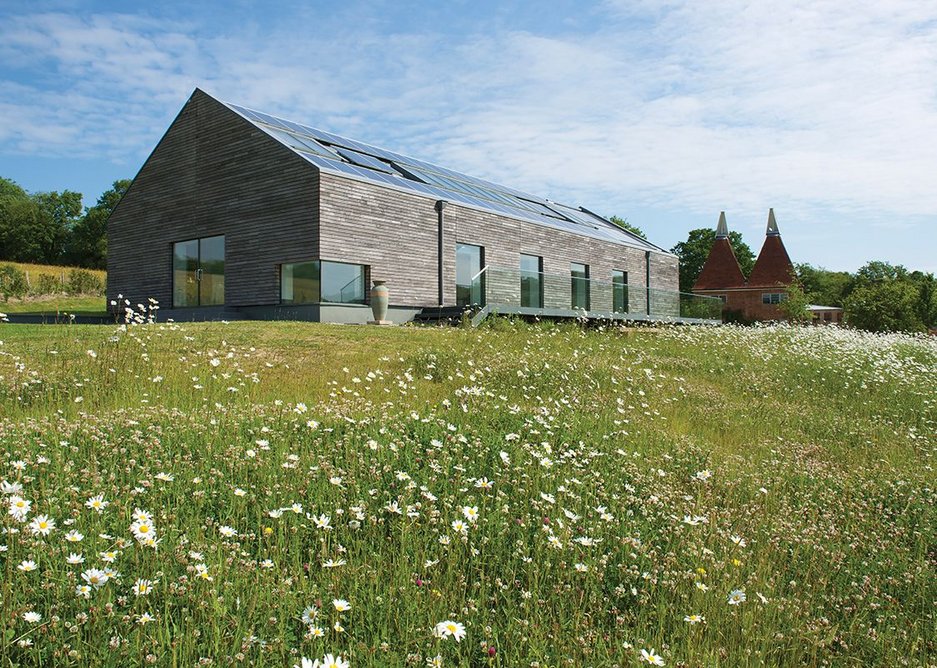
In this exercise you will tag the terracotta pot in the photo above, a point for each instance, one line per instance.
(379, 300)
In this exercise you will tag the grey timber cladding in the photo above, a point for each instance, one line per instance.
(214, 173)
(396, 234)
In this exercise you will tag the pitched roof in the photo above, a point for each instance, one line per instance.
(354, 159)
(721, 269)
(773, 265)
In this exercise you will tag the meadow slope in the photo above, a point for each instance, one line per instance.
(256, 493)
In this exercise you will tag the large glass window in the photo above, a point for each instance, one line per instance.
(198, 272)
(619, 291)
(531, 281)
(579, 274)
(299, 283)
(469, 280)
(342, 283)
(322, 281)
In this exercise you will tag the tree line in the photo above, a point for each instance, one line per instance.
(54, 227)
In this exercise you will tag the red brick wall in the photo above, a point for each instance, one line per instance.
(748, 303)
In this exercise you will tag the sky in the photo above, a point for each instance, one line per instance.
(662, 112)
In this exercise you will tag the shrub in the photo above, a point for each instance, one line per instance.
(47, 284)
(12, 282)
(82, 282)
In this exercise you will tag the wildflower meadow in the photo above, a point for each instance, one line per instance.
(287, 494)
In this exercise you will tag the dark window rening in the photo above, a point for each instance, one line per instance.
(469, 279)
(531, 281)
(773, 297)
(579, 285)
(322, 281)
(198, 272)
(619, 291)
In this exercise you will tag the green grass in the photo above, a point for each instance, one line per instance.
(581, 451)
(53, 304)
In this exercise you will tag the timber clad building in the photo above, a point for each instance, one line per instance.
(240, 214)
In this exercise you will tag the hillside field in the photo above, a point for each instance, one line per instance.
(52, 289)
(257, 494)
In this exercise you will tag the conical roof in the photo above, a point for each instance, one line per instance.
(721, 269)
(773, 265)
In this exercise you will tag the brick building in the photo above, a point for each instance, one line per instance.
(759, 296)
(238, 213)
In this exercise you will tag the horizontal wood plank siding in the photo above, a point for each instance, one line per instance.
(214, 173)
(395, 233)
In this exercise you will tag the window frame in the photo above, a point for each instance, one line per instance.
(527, 272)
(773, 298)
(587, 281)
(321, 268)
(626, 305)
(199, 270)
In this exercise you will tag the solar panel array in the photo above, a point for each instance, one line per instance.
(340, 155)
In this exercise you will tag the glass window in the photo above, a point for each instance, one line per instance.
(184, 273)
(342, 283)
(773, 297)
(198, 272)
(531, 281)
(619, 291)
(322, 281)
(579, 274)
(469, 281)
(211, 276)
(299, 283)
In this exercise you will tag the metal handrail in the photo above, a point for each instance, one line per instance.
(341, 291)
(480, 272)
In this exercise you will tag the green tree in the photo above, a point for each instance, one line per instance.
(88, 242)
(625, 225)
(927, 297)
(16, 209)
(877, 271)
(794, 307)
(35, 228)
(822, 286)
(885, 299)
(694, 251)
(57, 214)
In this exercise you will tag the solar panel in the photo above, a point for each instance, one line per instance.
(364, 160)
(298, 141)
(340, 155)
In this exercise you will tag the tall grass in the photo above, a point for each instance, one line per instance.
(569, 496)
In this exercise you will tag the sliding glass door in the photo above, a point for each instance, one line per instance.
(198, 272)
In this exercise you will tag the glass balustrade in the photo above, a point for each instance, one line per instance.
(507, 290)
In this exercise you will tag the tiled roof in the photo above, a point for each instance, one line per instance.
(721, 269)
(773, 265)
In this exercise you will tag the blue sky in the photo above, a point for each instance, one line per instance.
(662, 112)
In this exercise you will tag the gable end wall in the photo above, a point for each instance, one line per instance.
(214, 173)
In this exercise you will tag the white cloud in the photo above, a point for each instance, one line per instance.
(699, 106)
